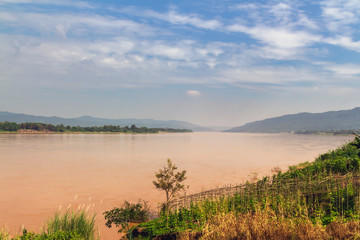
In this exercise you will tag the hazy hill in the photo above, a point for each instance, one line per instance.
(327, 121)
(88, 121)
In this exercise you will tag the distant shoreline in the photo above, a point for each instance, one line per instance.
(20, 132)
(43, 128)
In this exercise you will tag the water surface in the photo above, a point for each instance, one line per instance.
(40, 174)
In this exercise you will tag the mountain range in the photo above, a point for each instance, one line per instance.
(327, 121)
(88, 121)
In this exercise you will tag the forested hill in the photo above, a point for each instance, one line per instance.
(88, 121)
(327, 121)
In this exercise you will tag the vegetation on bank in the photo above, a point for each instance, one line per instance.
(312, 200)
(67, 226)
(43, 127)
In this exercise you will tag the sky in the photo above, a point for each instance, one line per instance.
(209, 62)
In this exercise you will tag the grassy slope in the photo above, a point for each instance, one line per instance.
(317, 199)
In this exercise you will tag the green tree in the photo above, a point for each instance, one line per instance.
(9, 126)
(170, 181)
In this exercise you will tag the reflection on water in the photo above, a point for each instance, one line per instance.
(40, 174)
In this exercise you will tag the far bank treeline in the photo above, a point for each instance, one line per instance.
(41, 127)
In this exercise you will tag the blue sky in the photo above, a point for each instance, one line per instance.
(208, 62)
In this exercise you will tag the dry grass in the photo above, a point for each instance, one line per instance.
(266, 226)
(260, 226)
(344, 230)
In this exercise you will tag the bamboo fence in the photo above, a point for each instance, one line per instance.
(311, 187)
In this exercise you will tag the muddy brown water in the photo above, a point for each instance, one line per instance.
(44, 173)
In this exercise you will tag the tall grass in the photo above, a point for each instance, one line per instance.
(4, 234)
(67, 226)
(76, 222)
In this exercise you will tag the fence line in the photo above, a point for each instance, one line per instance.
(270, 187)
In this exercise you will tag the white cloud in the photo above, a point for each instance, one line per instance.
(63, 24)
(340, 14)
(344, 41)
(282, 38)
(176, 18)
(193, 93)
(78, 4)
(279, 14)
(279, 43)
(348, 69)
(7, 17)
(244, 6)
(343, 70)
(272, 75)
(282, 12)
(283, 30)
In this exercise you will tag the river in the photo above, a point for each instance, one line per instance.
(44, 173)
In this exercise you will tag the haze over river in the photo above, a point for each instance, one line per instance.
(42, 173)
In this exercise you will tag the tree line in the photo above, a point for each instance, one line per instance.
(331, 132)
(13, 126)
